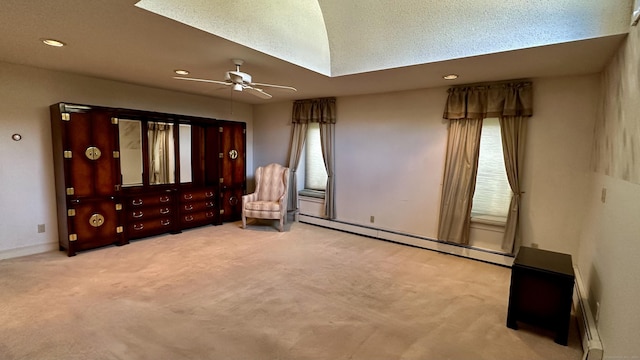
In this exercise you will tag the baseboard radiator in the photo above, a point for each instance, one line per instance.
(591, 344)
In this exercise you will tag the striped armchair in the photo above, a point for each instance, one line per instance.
(269, 201)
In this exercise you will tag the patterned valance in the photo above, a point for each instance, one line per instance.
(314, 110)
(483, 101)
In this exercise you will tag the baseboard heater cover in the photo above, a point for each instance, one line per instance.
(412, 240)
(591, 344)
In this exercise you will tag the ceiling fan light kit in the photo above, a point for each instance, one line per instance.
(240, 81)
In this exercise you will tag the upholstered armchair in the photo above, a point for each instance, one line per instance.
(269, 201)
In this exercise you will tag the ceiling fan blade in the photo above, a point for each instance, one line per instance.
(257, 92)
(203, 80)
(276, 86)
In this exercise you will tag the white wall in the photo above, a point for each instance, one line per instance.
(27, 192)
(391, 148)
(610, 247)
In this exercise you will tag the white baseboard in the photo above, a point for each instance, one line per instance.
(28, 250)
(591, 344)
(413, 240)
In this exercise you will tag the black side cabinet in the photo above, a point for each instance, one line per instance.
(541, 291)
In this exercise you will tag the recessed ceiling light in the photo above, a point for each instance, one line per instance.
(52, 42)
(181, 72)
(450, 77)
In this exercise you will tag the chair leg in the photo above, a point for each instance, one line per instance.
(281, 224)
(244, 221)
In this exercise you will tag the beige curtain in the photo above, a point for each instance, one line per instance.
(461, 167)
(298, 137)
(513, 130)
(512, 103)
(322, 111)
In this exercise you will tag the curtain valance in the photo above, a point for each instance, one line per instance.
(314, 110)
(479, 102)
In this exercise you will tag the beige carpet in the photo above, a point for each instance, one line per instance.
(227, 293)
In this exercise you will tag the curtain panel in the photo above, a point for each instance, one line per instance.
(322, 111)
(512, 103)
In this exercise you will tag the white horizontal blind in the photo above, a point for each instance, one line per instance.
(315, 176)
(493, 193)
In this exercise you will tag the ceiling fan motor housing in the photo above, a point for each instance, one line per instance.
(238, 77)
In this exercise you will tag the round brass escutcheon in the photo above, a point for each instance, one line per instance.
(233, 154)
(93, 153)
(96, 220)
(233, 200)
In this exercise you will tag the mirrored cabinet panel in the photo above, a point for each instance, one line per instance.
(131, 165)
(185, 153)
(162, 159)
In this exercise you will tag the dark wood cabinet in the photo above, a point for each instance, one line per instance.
(541, 291)
(125, 174)
(232, 168)
(85, 153)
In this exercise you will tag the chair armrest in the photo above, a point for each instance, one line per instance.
(249, 198)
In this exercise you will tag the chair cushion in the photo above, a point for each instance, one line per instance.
(263, 206)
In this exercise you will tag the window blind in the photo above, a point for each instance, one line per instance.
(493, 193)
(315, 176)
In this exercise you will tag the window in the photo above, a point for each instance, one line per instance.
(315, 176)
(493, 194)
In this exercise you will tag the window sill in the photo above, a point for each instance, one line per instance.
(318, 194)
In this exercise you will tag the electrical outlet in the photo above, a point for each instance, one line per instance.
(40, 228)
(372, 219)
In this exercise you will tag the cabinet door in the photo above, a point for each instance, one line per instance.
(232, 169)
(94, 223)
(90, 143)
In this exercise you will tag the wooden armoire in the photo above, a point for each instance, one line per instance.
(125, 174)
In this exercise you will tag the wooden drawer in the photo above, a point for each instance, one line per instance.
(149, 212)
(143, 228)
(145, 200)
(197, 219)
(193, 207)
(197, 195)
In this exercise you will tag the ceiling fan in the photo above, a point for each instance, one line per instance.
(241, 81)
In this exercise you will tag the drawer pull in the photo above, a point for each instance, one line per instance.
(138, 227)
(188, 207)
(188, 196)
(165, 222)
(209, 214)
(137, 202)
(138, 214)
(210, 204)
(188, 218)
(165, 211)
(165, 199)
(209, 194)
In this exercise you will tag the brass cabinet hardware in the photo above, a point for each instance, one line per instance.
(165, 199)
(116, 154)
(188, 207)
(221, 155)
(73, 237)
(137, 214)
(165, 211)
(70, 191)
(93, 153)
(119, 230)
(136, 202)
(118, 207)
(67, 154)
(165, 222)
(71, 212)
(233, 154)
(114, 120)
(65, 117)
(187, 196)
(96, 220)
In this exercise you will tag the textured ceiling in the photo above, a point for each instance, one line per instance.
(337, 37)
(356, 47)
